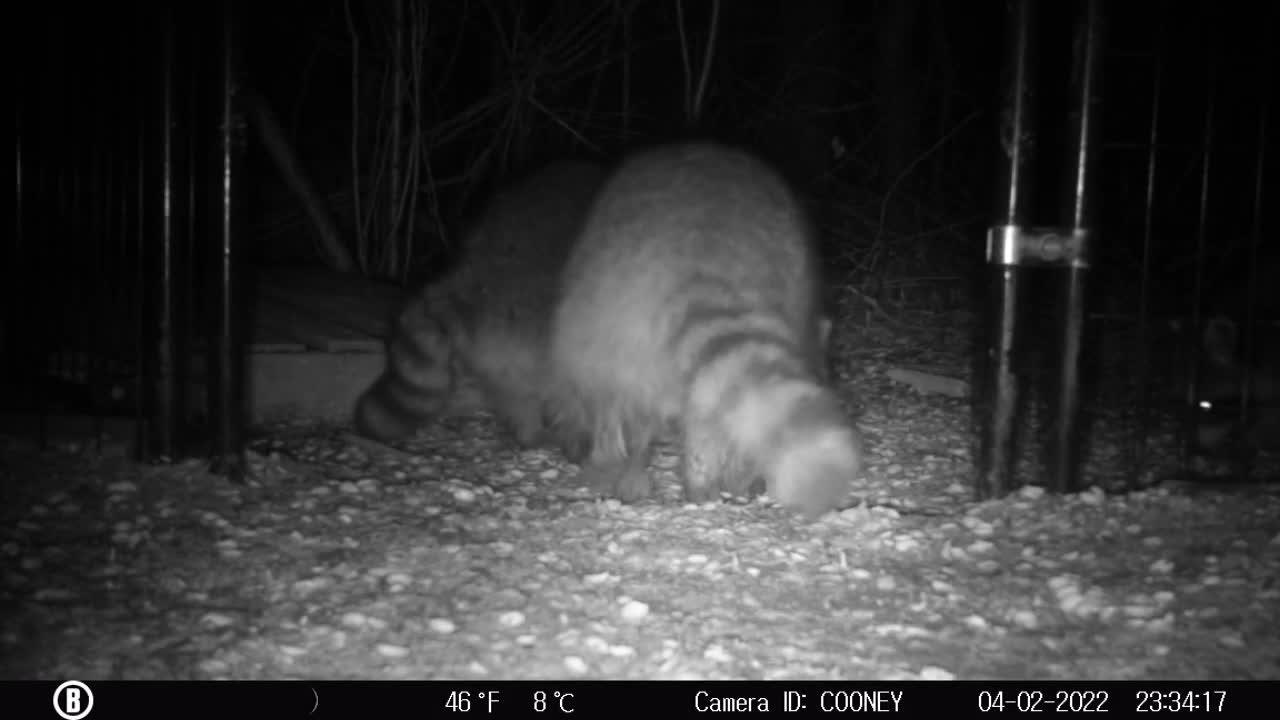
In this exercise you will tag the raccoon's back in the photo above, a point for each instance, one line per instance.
(509, 284)
(682, 242)
(514, 255)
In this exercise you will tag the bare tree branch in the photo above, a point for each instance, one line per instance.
(706, 59)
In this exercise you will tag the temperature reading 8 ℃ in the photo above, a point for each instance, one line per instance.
(555, 700)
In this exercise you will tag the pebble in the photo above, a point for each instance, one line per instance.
(635, 611)
(443, 626)
(387, 650)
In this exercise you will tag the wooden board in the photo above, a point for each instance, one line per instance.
(322, 311)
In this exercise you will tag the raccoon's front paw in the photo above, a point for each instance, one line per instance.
(527, 436)
(700, 492)
(633, 484)
(742, 484)
(601, 477)
(574, 446)
(622, 480)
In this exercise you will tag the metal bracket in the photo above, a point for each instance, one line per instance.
(1038, 247)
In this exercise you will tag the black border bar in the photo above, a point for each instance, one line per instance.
(591, 699)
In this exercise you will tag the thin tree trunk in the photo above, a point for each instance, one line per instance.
(391, 261)
(332, 249)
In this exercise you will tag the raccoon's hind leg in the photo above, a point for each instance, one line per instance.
(524, 422)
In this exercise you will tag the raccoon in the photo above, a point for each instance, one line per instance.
(420, 377)
(1219, 428)
(690, 303)
(477, 339)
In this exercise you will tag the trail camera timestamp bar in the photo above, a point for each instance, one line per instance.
(75, 699)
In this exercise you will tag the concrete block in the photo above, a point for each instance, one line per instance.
(314, 385)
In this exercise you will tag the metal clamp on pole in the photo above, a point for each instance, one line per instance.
(1038, 246)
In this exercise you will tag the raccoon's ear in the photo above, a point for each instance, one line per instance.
(1220, 336)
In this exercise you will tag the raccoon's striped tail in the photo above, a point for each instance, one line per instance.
(756, 410)
(418, 380)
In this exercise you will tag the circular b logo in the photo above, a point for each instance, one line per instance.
(73, 700)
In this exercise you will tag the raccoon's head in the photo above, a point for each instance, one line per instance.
(1220, 428)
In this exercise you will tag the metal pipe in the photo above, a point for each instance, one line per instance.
(1064, 437)
(230, 459)
(1139, 449)
(997, 397)
(1197, 321)
(166, 416)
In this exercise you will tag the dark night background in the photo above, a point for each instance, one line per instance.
(884, 114)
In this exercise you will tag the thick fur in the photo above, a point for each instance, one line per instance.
(690, 302)
(1220, 429)
(477, 339)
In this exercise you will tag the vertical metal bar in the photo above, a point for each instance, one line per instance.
(166, 346)
(191, 307)
(42, 195)
(1139, 448)
(136, 299)
(1197, 300)
(106, 305)
(388, 259)
(1064, 440)
(230, 458)
(197, 244)
(13, 362)
(1253, 328)
(996, 400)
(1018, 133)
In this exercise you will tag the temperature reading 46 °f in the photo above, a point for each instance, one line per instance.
(460, 700)
(555, 700)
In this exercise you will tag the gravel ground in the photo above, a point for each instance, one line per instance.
(456, 557)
